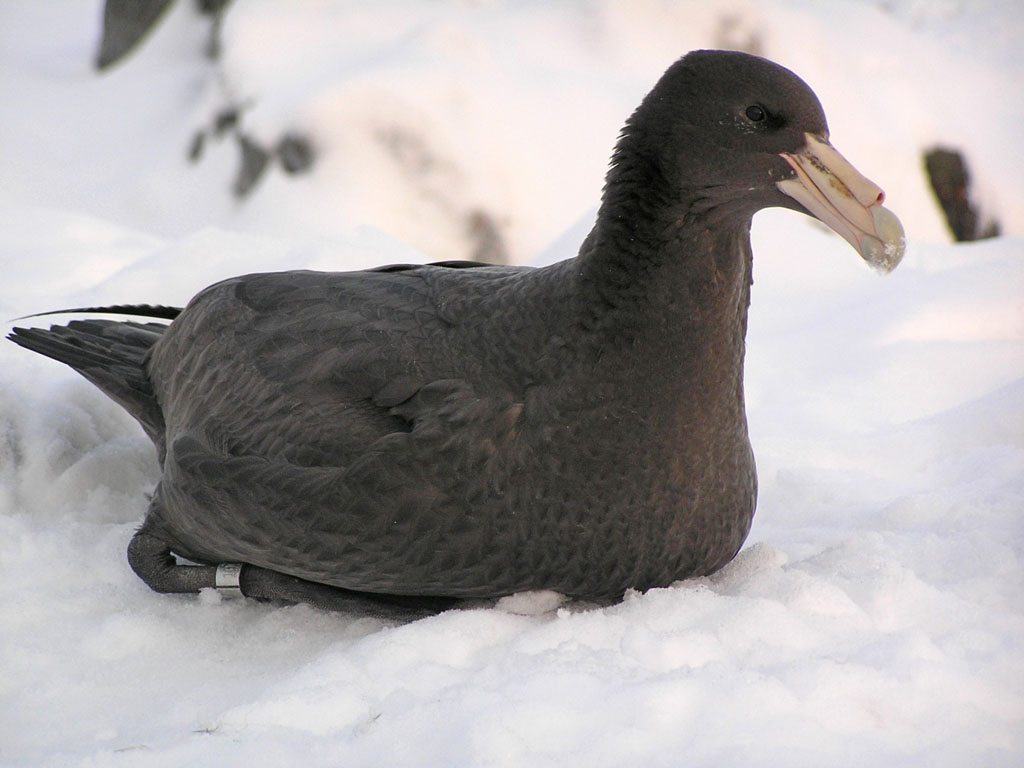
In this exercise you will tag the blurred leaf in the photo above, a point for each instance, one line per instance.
(254, 162)
(211, 7)
(225, 120)
(125, 23)
(195, 148)
(295, 153)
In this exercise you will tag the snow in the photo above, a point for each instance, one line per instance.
(876, 614)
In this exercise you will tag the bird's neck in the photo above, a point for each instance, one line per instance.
(666, 275)
(664, 243)
(665, 309)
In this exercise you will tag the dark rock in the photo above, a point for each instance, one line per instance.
(950, 180)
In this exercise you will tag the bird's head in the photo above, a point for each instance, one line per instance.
(731, 133)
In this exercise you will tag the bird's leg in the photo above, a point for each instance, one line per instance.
(151, 559)
(265, 584)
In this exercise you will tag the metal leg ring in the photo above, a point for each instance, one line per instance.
(227, 579)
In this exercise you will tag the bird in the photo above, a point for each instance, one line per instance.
(413, 436)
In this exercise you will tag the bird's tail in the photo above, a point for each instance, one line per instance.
(111, 354)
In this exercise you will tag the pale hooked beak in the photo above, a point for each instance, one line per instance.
(835, 192)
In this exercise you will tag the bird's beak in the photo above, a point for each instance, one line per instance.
(836, 193)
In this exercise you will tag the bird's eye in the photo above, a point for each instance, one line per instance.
(755, 114)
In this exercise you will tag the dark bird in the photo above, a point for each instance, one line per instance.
(412, 434)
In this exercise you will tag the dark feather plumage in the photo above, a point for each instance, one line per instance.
(453, 431)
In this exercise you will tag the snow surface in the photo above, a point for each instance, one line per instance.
(876, 615)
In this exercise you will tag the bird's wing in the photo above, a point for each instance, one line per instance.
(312, 368)
(335, 416)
